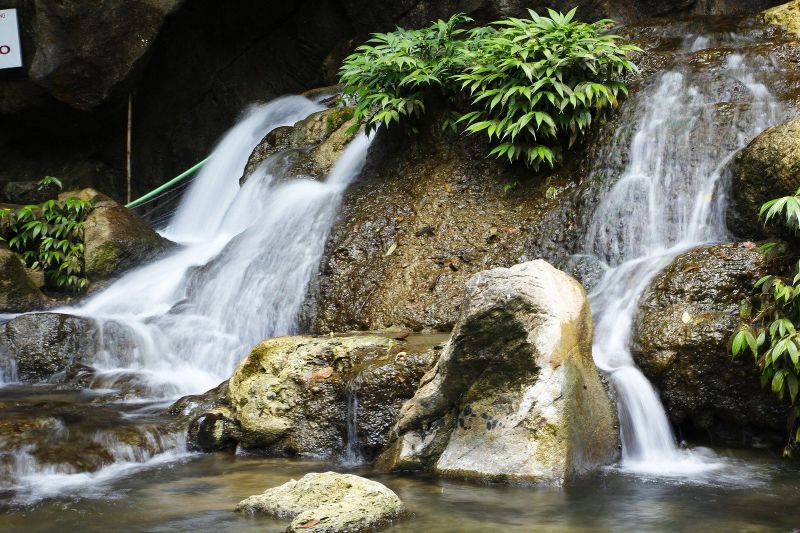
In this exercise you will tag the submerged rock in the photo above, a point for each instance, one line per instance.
(115, 239)
(317, 397)
(36, 346)
(681, 342)
(18, 292)
(515, 394)
(769, 167)
(330, 503)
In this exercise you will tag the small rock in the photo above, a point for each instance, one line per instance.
(328, 502)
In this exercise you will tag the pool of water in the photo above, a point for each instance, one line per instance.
(198, 493)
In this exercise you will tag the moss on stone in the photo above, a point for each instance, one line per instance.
(786, 16)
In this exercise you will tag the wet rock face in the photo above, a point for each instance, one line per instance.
(768, 168)
(680, 341)
(18, 292)
(515, 394)
(116, 240)
(309, 396)
(40, 345)
(328, 502)
(427, 213)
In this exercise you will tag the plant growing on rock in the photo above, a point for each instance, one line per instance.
(770, 327)
(49, 237)
(533, 86)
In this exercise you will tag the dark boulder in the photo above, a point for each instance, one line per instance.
(681, 342)
(18, 292)
(768, 168)
(36, 346)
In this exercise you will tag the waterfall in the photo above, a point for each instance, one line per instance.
(242, 271)
(669, 197)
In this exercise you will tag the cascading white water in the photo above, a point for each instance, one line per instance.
(669, 198)
(242, 273)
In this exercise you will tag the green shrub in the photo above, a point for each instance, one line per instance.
(771, 320)
(531, 85)
(49, 237)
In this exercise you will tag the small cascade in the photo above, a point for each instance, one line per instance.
(669, 197)
(353, 455)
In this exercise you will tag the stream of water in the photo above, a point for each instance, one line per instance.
(670, 197)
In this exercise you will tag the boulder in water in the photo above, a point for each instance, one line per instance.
(115, 239)
(515, 394)
(317, 397)
(40, 345)
(18, 292)
(330, 503)
(769, 167)
(681, 342)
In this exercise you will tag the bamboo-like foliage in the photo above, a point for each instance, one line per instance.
(531, 85)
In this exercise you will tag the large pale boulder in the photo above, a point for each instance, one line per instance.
(115, 239)
(18, 292)
(769, 167)
(515, 394)
(329, 503)
(317, 397)
(681, 342)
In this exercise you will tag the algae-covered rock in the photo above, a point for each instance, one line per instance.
(681, 342)
(769, 167)
(330, 503)
(298, 395)
(39, 345)
(786, 16)
(18, 292)
(313, 144)
(117, 240)
(515, 394)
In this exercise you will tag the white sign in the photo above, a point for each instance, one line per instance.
(10, 51)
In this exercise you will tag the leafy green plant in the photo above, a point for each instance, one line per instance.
(533, 86)
(771, 320)
(49, 237)
(389, 76)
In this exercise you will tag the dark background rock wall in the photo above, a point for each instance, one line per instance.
(192, 67)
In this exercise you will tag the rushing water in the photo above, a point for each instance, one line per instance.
(181, 324)
(670, 197)
(247, 257)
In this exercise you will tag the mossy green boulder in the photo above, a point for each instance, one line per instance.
(786, 16)
(116, 240)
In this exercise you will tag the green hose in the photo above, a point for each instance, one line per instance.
(168, 185)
